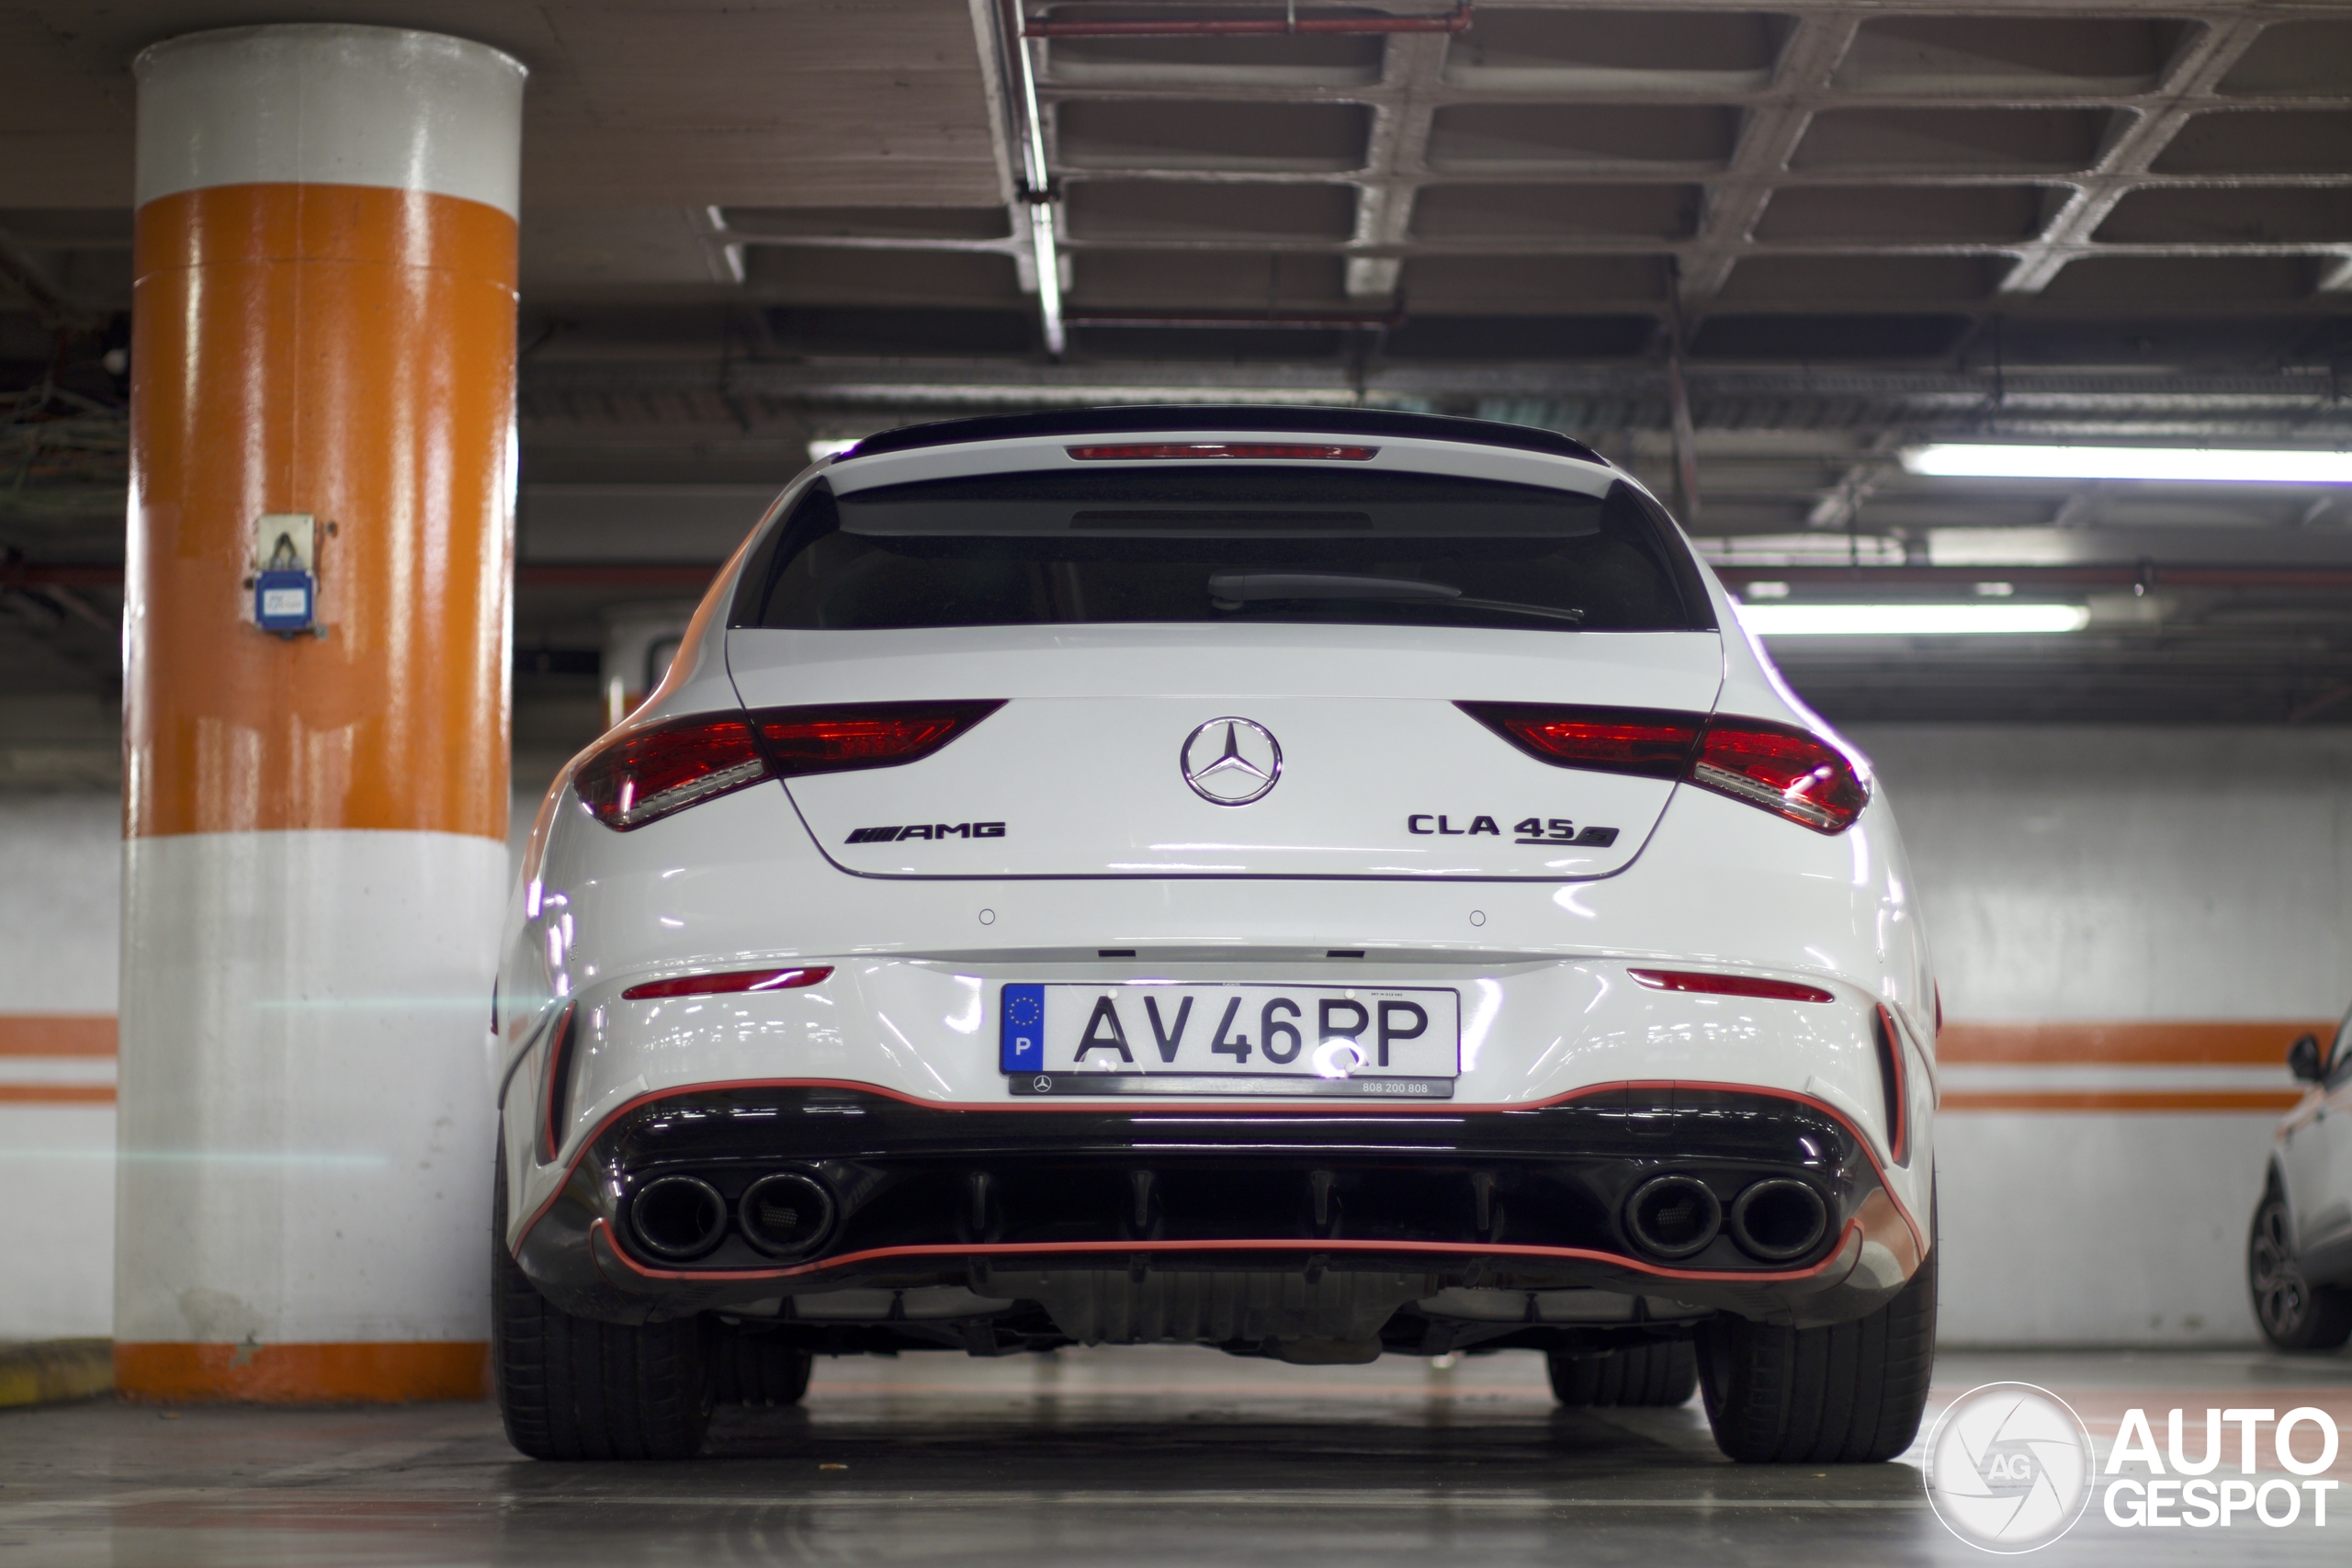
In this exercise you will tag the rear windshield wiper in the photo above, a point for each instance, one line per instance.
(1231, 589)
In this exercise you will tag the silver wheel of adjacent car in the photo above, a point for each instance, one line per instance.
(2295, 1314)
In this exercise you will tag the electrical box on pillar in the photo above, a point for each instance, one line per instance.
(286, 581)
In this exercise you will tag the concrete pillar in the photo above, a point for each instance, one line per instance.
(314, 817)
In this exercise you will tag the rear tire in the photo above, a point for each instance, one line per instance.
(757, 1370)
(575, 1388)
(1656, 1375)
(2294, 1314)
(1851, 1394)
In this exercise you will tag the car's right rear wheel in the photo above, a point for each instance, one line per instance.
(2294, 1314)
(1849, 1393)
(1658, 1374)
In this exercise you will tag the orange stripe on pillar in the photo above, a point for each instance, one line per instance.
(346, 351)
(299, 1374)
(324, 273)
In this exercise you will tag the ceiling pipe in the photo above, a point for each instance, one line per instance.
(1037, 193)
(1454, 21)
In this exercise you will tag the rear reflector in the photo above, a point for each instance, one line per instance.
(557, 1093)
(1715, 985)
(1785, 769)
(727, 983)
(647, 773)
(1283, 450)
(1890, 1077)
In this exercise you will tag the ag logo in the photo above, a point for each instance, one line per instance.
(2008, 1467)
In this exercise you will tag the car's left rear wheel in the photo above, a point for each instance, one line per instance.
(1658, 1374)
(574, 1388)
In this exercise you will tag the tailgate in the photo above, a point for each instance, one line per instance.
(1120, 751)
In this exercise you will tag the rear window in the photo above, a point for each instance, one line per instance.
(1222, 545)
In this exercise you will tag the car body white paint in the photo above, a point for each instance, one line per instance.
(1538, 950)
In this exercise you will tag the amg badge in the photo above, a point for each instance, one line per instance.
(926, 830)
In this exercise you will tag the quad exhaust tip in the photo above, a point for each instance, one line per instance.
(678, 1217)
(1673, 1216)
(785, 1214)
(1778, 1219)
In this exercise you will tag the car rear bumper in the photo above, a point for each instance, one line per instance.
(1015, 1203)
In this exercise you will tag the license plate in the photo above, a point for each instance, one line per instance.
(1153, 1038)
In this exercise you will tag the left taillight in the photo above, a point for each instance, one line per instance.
(649, 774)
(1786, 771)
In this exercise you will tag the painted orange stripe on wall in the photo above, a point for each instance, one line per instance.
(56, 1094)
(355, 351)
(2267, 1101)
(2138, 1043)
(301, 1374)
(56, 1035)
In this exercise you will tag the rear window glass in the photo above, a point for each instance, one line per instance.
(1222, 545)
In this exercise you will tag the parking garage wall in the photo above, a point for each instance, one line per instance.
(2126, 922)
(2130, 926)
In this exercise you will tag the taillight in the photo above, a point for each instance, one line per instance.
(1785, 769)
(1710, 983)
(801, 740)
(1610, 740)
(647, 773)
(730, 982)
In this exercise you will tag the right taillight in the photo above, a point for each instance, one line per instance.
(1782, 769)
(650, 773)
(1785, 769)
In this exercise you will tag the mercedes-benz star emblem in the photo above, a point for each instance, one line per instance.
(1231, 762)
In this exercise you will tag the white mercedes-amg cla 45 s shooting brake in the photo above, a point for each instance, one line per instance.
(1309, 883)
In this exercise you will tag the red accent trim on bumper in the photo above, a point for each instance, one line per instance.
(1854, 1229)
(1918, 1237)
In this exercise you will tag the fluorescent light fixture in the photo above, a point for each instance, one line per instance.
(2188, 465)
(819, 450)
(1911, 620)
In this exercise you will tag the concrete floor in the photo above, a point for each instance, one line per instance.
(1132, 1457)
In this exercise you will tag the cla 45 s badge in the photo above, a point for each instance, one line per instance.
(1526, 831)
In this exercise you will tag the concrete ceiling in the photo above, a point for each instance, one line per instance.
(747, 225)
